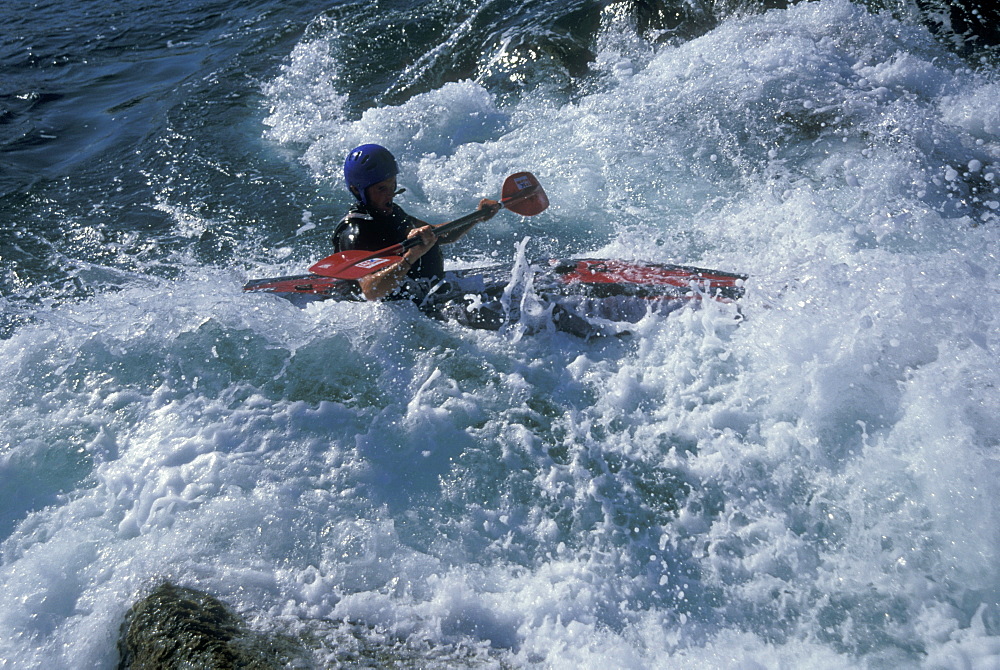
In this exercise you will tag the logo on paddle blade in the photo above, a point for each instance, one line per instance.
(523, 183)
(373, 263)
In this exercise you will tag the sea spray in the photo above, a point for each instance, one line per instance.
(802, 478)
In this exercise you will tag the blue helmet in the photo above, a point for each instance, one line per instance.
(366, 165)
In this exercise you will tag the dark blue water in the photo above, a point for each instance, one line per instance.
(806, 481)
(108, 110)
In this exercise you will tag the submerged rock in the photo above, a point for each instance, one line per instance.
(182, 628)
(663, 20)
(966, 25)
(176, 627)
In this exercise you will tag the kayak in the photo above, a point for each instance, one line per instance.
(580, 296)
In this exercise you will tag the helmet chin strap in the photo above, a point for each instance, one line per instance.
(360, 198)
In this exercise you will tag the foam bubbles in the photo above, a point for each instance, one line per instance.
(305, 102)
(975, 110)
(805, 478)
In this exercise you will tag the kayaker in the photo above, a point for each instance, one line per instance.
(376, 222)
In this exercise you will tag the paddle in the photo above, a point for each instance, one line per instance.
(521, 194)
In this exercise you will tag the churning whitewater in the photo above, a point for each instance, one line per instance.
(805, 478)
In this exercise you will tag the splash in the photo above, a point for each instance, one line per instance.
(804, 480)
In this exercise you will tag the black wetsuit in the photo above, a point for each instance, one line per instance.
(363, 230)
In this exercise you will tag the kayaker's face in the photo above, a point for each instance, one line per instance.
(380, 195)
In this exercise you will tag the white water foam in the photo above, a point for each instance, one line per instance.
(804, 480)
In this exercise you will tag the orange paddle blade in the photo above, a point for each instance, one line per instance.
(522, 194)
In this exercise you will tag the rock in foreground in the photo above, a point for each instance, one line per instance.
(176, 627)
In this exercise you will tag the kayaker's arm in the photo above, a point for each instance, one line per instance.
(521, 194)
(380, 284)
(458, 233)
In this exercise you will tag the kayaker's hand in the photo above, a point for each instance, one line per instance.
(427, 240)
(492, 205)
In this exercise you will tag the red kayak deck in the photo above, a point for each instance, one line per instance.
(607, 277)
(581, 293)
(650, 277)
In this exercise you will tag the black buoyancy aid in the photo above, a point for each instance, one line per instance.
(362, 230)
